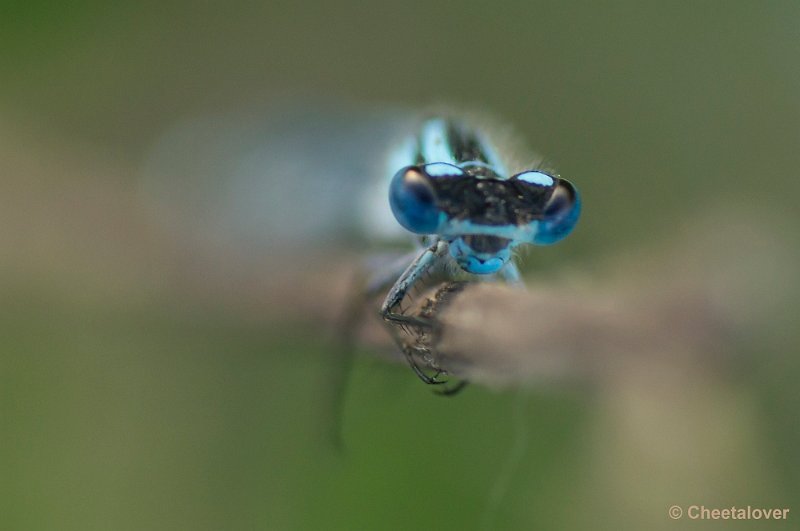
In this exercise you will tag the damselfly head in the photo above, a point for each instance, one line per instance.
(480, 213)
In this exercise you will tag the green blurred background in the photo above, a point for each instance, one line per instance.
(127, 403)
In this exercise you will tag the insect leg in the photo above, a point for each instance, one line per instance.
(453, 390)
(413, 273)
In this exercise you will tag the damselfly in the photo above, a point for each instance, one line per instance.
(287, 178)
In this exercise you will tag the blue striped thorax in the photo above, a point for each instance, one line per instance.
(458, 189)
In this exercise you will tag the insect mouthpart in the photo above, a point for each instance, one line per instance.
(480, 254)
(482, 244)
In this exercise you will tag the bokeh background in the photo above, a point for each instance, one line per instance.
(138, 391)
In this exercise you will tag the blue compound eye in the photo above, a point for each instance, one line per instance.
(413, 201)
(561, 213)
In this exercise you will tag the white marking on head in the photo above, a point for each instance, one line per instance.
(536, 177)
(438, 169)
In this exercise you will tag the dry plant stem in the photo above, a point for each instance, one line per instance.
(681, 306)
(684, 299)
(496, 335)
